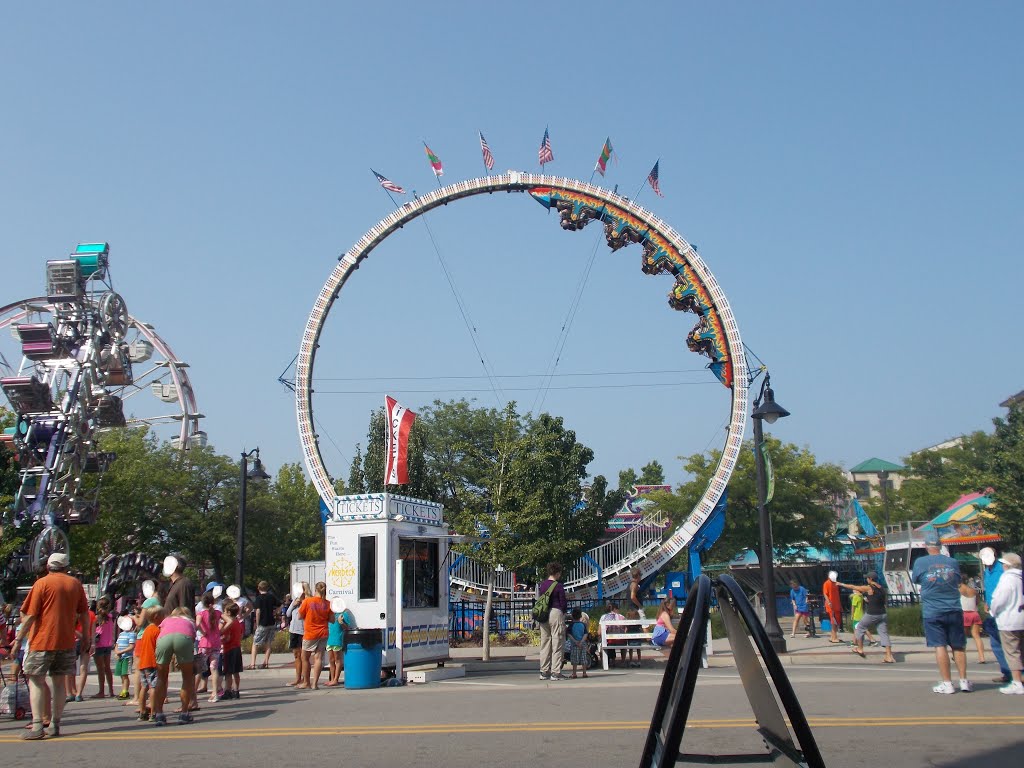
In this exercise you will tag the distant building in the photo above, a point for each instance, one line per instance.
(1012, 400)
(871, 475)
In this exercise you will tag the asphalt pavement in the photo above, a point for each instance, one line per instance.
(860, 710)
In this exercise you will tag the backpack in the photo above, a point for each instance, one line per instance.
(542, 607)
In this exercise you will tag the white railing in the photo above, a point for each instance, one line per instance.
(612, 557)
(471, 573)
(619, 553)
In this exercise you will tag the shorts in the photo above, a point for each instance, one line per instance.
(971, 618)
(123, 666)
(180, 646)
(206, 661)
(294, 641)
(104, 651)
(232, 661)
(659, 636)
(264, 635)
(805, 614)
(335, 648)
(1012, 640)
(314, 646)
(944, 629)
(53, 663)
(147, 677)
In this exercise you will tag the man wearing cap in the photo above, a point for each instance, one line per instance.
(48, 617)
(874, 616)
(991, 571)
(938, 577)
(1007, 605)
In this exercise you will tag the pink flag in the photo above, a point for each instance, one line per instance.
(400, 419)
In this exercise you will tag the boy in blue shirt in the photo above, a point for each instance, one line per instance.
(798, 597)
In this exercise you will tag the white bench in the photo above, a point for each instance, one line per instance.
(644, 635)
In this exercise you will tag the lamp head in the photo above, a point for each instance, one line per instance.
(769, 410)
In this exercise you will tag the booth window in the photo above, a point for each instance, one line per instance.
(367, 567)
(420, 578)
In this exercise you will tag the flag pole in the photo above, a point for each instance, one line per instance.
(386, 192)
(644, 182)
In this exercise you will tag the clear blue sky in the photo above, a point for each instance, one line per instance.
(852, 174)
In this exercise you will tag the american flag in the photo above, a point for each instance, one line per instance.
(390, 186)
(488, 157)
(544, 154)
(652, 179)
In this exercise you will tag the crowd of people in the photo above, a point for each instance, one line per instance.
(951, 607)
(58, 635)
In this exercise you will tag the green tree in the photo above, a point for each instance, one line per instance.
(1005, 474)
(283, 525)
(935, 479)
(802, 510)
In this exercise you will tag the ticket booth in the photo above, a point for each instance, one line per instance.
(366, 536)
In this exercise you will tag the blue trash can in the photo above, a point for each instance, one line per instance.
(362, 649)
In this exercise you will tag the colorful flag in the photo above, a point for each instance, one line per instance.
(400, 419)
(435, 161)
(488, 157)
(390, 186)
(544, 154)
(652, 179)
(606, 153)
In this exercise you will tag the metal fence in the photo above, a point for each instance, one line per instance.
(507, 616)
(466, 618)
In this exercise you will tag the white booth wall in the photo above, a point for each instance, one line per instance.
(365, 537)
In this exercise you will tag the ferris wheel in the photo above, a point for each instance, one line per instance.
(71, 363)
(663, 251)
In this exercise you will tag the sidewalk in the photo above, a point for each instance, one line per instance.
(800, 651)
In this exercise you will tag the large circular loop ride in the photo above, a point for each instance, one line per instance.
(715, 335)
(69, 369)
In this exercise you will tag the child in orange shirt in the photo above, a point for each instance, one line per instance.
(145, 650)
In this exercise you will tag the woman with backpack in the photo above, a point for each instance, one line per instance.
(552, 623)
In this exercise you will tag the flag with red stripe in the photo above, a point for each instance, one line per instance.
(400, 419)
(435, 161)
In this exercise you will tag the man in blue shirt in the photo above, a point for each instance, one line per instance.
(990, 573)
(938, 577)
(798, 596)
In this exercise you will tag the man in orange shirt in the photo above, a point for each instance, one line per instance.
(48, 617)
(316, 614)
(834, 609)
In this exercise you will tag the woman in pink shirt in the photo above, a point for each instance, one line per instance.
(177, 639)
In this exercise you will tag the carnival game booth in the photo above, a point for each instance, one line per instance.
(385, 556)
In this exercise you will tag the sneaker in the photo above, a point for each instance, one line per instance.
(544, 677)
(160, 719)
(143, 717)
(1002, 679)
(966, 686)
(1013, 688)
(559, 676)
(185, 718)
(35, 734)
(944, 687)
(52, 730)
(124, 695)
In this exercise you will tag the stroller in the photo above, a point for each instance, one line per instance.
(14, 701)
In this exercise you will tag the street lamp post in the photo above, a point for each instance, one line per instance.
(256, 473)
(766, 409)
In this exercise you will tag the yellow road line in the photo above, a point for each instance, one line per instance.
(443, 729)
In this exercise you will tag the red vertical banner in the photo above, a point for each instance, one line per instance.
(400, 419)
